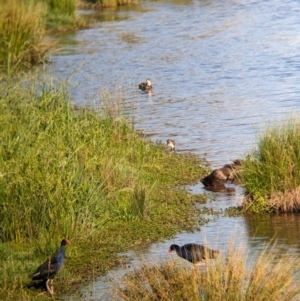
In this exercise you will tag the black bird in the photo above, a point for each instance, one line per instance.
(146, 86)
(49, 269)
(194, 253)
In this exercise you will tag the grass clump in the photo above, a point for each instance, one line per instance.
(271, 175)
(61, 16)
(85, 175)
(22, 33)
(269, 278)
(65, 7)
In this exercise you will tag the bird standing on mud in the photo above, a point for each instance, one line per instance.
(49, 269)
(194, 253)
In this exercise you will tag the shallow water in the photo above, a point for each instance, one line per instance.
(221, 71)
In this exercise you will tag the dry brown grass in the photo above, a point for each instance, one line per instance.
(287, 201)
(271, 276)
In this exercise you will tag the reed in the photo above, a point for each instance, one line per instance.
(272, 276)
(22, 33)
(270, 175)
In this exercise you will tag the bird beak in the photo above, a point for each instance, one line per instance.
(169, 251)
(68, 242)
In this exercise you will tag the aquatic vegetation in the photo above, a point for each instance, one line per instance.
(108, 3)
(84, 174)
(272, 276)
(22, 33)
(270, 174)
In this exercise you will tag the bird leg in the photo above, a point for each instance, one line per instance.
(50, 286)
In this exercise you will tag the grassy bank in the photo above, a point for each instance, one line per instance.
(270, 174)
(270, 277)
(85, 175)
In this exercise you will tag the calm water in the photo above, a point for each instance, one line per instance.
(221, 71)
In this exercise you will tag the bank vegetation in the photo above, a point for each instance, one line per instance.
(269, 275)
(85, 174)
(271, 174)
(25, 27)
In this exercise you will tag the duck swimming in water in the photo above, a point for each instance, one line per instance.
(194, 253)
(146, 86)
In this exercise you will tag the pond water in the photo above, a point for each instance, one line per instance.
(221, 71)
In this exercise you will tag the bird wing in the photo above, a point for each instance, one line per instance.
(192, 247)
(47, 269)
(197, 252)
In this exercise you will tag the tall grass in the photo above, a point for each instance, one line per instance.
(68, 171)
(61, 15)
(271, 175)
(22, 32)
(65, 7)
(226, 279)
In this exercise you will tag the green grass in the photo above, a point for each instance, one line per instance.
(64, 7)
(85, 175)
(271, 175)
(272, 276)
(22, 33)
(23, 29)
(61, 16)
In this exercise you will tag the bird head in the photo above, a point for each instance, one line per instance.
(148, 82)
(65, 241)
(172, 248)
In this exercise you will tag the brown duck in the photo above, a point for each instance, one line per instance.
(146, 86)
(218, 177)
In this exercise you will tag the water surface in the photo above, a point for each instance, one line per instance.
(221, 71)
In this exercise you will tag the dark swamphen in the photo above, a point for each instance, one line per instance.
(49, 269)
(194, 253)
